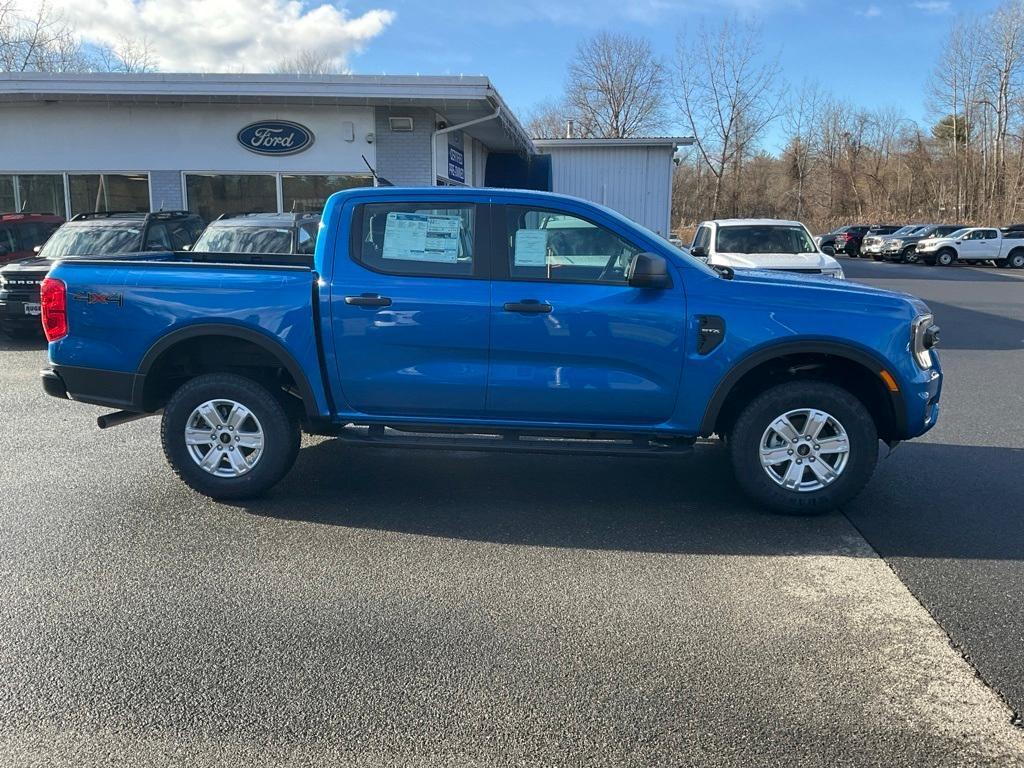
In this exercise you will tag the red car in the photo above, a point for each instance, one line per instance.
(22, 233)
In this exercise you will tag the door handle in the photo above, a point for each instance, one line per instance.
(528, 305)
(370, 300)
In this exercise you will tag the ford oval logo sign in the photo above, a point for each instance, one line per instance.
(275, 137)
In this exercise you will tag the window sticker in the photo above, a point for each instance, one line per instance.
(422, 237)
(531, 248)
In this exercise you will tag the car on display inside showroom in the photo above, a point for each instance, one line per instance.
(87, 234)
(486, 319)
(973, 244)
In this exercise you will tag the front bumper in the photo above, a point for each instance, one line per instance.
(14, 311)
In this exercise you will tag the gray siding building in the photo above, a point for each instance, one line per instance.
(631, 176)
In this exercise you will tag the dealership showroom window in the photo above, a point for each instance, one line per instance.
(208, 194)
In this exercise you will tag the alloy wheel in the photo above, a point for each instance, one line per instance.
(804, 450)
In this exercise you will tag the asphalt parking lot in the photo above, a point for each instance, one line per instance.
(453, 609)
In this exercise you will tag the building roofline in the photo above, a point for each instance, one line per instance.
(353, 90)
(637, 141)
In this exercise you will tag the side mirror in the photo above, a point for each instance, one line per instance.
(648, 270)
(699, 252)
(186, 247)
(37, 249)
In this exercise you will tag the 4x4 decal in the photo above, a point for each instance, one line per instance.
(99, 298)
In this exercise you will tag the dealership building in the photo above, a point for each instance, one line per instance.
(220, 143)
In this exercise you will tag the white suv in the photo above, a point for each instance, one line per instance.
(762, 244)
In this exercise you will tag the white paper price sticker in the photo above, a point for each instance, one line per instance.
(531, 248)
(422, 237)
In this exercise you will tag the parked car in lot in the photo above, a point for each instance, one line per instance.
(973, 244)
(843, 240)
(761, 244)
(22, 233)
(871, 243)
(458, 318)
(87, 234)
(902, 247)
(260, 233)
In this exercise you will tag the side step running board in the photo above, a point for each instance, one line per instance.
(515, 442)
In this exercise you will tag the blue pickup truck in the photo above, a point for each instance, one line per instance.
(487, 319)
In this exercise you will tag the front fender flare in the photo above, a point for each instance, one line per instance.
(782, 349)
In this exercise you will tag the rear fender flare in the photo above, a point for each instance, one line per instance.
(262, 340)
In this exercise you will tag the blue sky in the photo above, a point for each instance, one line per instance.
(875, 52)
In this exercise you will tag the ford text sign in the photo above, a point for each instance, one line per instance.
(275, 137)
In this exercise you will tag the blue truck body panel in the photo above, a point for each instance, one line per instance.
(607, 357)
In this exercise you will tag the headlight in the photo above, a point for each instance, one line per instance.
(925, 245)
(896, 243)
(836, 272)
(924, 336)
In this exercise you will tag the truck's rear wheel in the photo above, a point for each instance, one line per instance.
(804, 448)
(227, 436)
(1015, 260)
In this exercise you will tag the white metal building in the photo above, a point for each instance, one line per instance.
(632, 176)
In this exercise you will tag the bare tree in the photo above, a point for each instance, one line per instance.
(309, 61)
(616, 87)
(801, 110)
(128, 56)
(726, 95)
(548, 120)
(40, 42)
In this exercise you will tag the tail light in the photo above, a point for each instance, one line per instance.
(843, 236)
(53, 299)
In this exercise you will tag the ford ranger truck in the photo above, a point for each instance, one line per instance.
(483, 319)
(972, 244)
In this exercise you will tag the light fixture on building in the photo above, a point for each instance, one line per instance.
(400, 124)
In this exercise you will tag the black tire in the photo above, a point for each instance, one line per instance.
(909, 256)
(758, 415)
(1015, 260)
(946, 257)
(281, 436)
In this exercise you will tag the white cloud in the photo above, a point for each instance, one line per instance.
(224, 35)
(871, 12)
(934, 6)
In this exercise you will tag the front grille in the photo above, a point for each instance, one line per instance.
(21, 288)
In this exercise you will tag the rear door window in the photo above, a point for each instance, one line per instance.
(425, 239)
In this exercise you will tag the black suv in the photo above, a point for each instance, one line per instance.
(903, 247)
(88, 234)
(270, 233)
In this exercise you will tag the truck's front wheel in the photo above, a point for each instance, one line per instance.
(227, 436)
(804, 447)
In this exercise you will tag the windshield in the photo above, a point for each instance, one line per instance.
(905, 230)
(245, 240)
(92, 240)
(958, 233)
(923, 230)
(770, 238)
